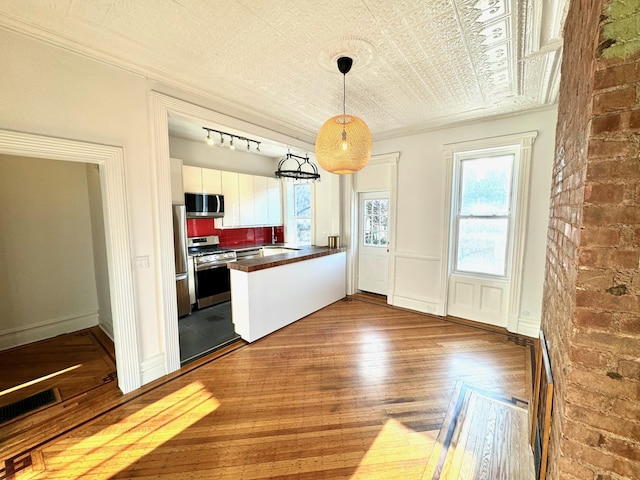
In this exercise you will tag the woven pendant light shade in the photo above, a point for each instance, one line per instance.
(340, 156)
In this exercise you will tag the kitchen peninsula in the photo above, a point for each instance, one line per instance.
(268, 293)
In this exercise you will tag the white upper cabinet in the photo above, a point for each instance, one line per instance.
(211, 181)
(247, 200)
(274, 200)
(201, 180)
(177, 192)
(192, 179)
(229, 186)
(261, 200)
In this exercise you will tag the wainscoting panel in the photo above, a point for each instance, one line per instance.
(417, 283)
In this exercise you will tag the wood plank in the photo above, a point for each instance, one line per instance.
(355, 390)
(484, 436)
(89, 402)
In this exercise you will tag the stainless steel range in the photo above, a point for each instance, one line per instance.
(212, 283)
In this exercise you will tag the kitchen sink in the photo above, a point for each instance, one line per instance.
(275, 250)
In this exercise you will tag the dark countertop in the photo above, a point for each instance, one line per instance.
(242, 248)
(303, 253)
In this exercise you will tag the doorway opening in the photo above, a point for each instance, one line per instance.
(373, 242)
(110, 163)
(58, 314)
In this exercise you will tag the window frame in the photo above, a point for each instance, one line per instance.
(291, 217)
(459, 159)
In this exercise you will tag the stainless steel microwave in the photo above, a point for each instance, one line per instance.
(202, 205)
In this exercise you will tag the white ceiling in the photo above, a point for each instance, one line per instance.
(419, 64)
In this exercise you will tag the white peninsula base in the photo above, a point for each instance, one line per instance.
(266, 300)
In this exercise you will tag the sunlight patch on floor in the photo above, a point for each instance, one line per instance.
(120, 445)
(397, 450)
(38, 380)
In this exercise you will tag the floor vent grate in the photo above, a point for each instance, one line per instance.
(26, 405)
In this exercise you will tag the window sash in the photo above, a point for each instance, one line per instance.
(481, 251)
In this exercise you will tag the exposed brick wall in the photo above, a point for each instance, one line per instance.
(592, 280)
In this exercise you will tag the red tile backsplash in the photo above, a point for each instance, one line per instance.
(232, 237)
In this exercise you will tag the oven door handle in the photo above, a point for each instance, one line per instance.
(202, 268)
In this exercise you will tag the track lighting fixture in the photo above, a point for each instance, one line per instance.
(232, 140)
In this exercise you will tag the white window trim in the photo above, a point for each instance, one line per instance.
(523, 165)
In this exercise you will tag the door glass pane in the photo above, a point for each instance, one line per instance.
(375, 221)
(482, 245)
(485, 185)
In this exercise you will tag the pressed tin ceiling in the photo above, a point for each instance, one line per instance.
(418, 64)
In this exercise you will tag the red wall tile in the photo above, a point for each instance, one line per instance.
(232, 237)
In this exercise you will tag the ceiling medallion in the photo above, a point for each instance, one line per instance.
(361, 51)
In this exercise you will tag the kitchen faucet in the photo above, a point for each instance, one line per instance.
(274, 239)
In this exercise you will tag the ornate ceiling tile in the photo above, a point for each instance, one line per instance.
(418, 63)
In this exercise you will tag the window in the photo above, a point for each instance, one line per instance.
(483, 214)
(376, 223)
(299, 213)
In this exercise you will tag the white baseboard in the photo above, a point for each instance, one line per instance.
(106, 324)
(153, 368)
(529, 327)
(418, 305)
(53, 327)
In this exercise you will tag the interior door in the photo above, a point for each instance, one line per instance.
(373, 248)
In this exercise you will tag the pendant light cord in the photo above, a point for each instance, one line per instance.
(344, 94)
(344, 111)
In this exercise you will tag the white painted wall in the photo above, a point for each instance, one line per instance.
(50, 91)
(421, 192)
(199, 154)
(47, 278)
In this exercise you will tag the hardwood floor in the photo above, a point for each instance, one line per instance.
(76, 365)
(356, 390)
